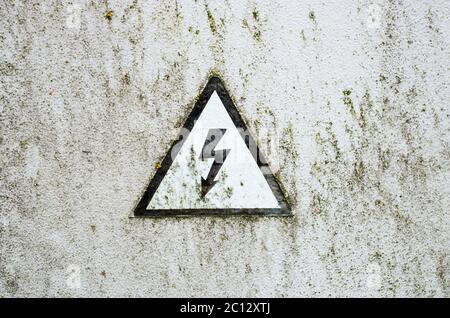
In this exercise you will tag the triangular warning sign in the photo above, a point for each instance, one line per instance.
(214, 167)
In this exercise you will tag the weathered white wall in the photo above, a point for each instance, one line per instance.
(357, 91)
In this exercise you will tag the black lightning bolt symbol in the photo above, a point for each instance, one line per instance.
(212, 139)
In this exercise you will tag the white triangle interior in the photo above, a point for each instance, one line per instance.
(241, 184)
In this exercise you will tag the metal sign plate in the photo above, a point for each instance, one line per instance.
(214, 167)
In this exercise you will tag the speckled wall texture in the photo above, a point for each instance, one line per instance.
(92, 94)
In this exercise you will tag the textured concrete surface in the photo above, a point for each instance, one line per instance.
(92, 93)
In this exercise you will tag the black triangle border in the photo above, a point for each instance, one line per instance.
(214, 84)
